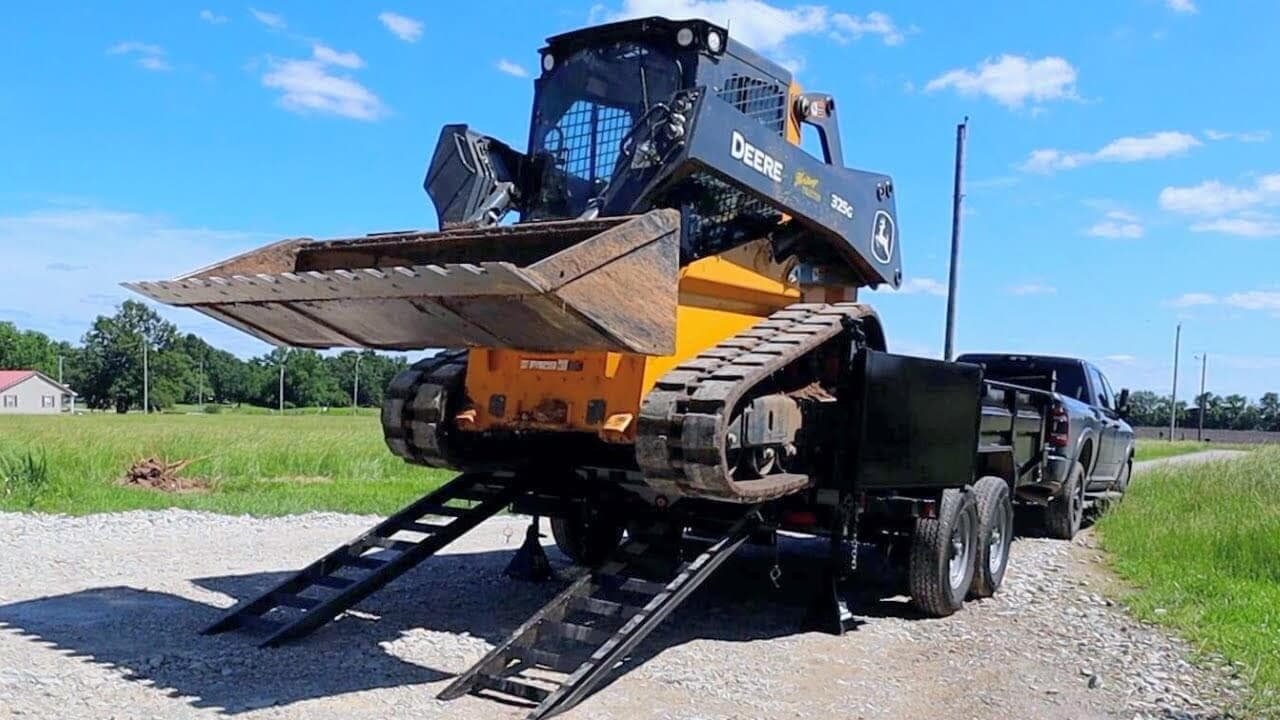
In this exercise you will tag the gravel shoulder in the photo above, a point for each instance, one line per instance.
(99, 618)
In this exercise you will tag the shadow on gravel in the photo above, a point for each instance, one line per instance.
(153, 636)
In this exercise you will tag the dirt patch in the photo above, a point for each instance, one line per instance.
(156, 474)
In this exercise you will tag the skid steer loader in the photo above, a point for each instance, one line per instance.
(666, 346)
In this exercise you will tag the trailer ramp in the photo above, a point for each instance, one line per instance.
(329, 586)
(572, 645)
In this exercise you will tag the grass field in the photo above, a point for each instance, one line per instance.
(1202, 546)
(254, 464)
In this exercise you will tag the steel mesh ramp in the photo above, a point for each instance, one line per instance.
(319, 592)
(572, 645)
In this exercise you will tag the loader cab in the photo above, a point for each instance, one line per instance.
(599, 84)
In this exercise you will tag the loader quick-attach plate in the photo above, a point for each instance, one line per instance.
(608, 284)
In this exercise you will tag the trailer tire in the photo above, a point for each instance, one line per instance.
(995, 535)
(587, 538)
(940, 571)
(1065, 512)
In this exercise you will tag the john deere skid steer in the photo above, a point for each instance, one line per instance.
(665, 344)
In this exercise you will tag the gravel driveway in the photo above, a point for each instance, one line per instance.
(99, 615)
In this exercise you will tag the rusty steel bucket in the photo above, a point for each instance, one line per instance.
(604, 284)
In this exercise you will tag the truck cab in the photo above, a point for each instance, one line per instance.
(1088, 427)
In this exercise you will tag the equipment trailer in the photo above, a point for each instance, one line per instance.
(667, 347)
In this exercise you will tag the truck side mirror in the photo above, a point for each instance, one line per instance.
(1122, 404)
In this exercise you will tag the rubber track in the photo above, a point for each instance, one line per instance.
(683, 420)
(415, 410)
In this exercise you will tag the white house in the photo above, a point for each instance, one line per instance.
(31, 392)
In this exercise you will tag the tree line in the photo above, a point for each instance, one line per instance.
(1233, 412)
(106, 368)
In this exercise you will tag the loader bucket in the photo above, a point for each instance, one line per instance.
(604, 284)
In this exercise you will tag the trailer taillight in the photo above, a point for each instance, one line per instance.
(1059, 427)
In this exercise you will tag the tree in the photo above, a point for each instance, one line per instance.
(113, 350)
(1269, 412)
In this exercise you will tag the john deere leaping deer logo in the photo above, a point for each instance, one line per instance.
(882, 236)
(807, 184)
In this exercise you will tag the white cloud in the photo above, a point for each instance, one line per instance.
(1249, 136)
(1193, 299)
(766, 27)
(147, 56)
(210, 16)
(1033, 289)
(1186, 7)
(116, 246)
(1241, 226)
(512, 69)
(1120, 358)
(328, 56)
(1155, 146)
(1268, 300)
(307, 86)
(272, 20)
(1012, 80)
(405, 28)
(1213, 197)
(1264, 300)
(1214, 200)
(874, 23)
(1118, 224)
(922, 286)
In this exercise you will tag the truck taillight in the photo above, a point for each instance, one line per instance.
(1059, 427)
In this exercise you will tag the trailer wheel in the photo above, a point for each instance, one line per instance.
(587, 538)
(1065, 513)
(995, 535)
(942, 555)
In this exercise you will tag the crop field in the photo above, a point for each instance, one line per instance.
(1202, 546)
(236, 463)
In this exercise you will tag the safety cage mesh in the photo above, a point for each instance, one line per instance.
(589, 138)
(717, 215)
(761, 100)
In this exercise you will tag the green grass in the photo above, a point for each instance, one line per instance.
(1155, 449)
(255, 464)
(1202, 546)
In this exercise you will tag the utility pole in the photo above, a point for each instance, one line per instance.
(948, 351)
(284, 355)
(200, 386)
(146, 383)
(1204, 366)
(1173, 400)
(355, 385)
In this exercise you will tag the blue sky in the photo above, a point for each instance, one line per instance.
(1122, 170)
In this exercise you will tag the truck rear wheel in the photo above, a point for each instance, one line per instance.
(942, 555)
(1065, 513)
(587, 538)
(995, 535)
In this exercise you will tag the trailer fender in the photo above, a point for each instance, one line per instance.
(998, 462)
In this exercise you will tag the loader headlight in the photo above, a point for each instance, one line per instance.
(684, 37)
(548, 62)
(715, 41)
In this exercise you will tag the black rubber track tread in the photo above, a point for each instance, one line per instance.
(681, 434)
(1058, 520)
(927, 573)
(402, 409)
(990, 496)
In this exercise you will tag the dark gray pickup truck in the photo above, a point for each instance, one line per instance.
(1088, 447)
